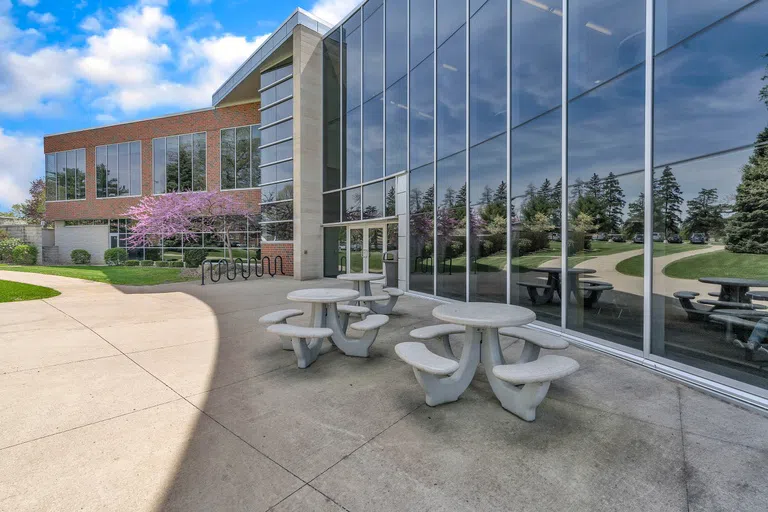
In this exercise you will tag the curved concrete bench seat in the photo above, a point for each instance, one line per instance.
(306, 341)
(372, 298)
(393, 292)
(684, 294)
(534, 341)
(371, 323)
(441, 332)
(345, 310)
(521, 387)
(420, 357)
(281, 317)
(357, 347)
(694, 313)
(390, 295)
(587, 284)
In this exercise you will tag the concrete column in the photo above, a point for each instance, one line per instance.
(307, 154)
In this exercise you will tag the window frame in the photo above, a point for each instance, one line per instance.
(192, 163)
(45, 175)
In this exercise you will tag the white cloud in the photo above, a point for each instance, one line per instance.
(105, 118)
(332, 11)
(21, 161)
(29, 3)
(45, 18)
(90, 24)
(81, 5)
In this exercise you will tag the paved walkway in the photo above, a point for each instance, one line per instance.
(663, 285)
(174, 398)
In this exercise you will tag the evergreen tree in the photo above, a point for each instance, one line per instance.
(594, 186)
(669, 199)
(487, 196)
(635, 217)
(613, 200)
(577, 189)
(705, 215)
(748, 227)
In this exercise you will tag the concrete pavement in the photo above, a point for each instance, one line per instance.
(173, 398)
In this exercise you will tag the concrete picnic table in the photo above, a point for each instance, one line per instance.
(325, 314)
(554, 281)
(482, 321)
(361, 281)
(735, 289)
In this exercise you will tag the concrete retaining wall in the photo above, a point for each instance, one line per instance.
(94, 239)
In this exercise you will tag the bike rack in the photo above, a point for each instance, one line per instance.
(242, 264)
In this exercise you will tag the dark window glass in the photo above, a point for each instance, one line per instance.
(185, 163)
(605, 39)
(277, 132)
(243, 157)
(488, 221)
(61, 176)
(277, 211)
(352, 161)
(172, 164)
(487, 72)
(397, 127)
(50, 177)
(276, 152)
(199, 166)
(331, 111)
(353, 67)
(277, 192)
(123, 169)
(158, 165)
(352, 204)
(283, 110)
(255, 156)
(451, 201)
(422, 31)
(421, 231)
(535, 59)
(373, 55)
(451, 95)
(332, 207)
(369, 8)
(277, 172)
(701, 107)
(451, 14)
(277, 93)
(279, 231)
(534, 208)
(373, 200)
(390, 198)
(678, 19)
(605, 146)
(228, 159)
(112, 170)
(422, 113)
(396, 40)
(71, 175)
(135, 168)
(80, 174)
(373, 139)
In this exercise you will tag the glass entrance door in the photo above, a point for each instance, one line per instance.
(366, 247)
(357, 250)
(375, 237)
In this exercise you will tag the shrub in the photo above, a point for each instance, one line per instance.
(131, 263)
(524, 246)
(80, 257)
(3, 234)
(115, 256)
(177, 264)
(6, 248)
(194, 257)
(24, 255)
(153, 254)
(162, 263)
(147, 263)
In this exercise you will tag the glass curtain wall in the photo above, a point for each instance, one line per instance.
(473, 109)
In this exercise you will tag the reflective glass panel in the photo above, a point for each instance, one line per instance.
(373, 55)
(422, 31)
(332, 207)
(185, 163)
(451, 95)
(158, 166)
(422, 113)
(373, 200)
(373, 139)
(135, 168)
(353, 154)
(396, 113)
(200, 155)
(396, 40)
(421, 229)
(352, 204)
(353, 67)
(451, 14)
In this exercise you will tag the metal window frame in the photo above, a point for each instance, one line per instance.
(141, 168)
(165, 150)
(250, 157)
(65, 177)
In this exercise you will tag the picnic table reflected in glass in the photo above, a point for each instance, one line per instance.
(585, 292)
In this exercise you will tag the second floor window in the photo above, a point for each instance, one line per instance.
(179, 163)
(118, 170)
(240, 157)
(65, 175)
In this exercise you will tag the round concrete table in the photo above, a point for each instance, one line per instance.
(361, 281)
(481, 341)
(554, 280)
(734, 289)
(325, 314)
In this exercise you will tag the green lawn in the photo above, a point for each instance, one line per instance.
(720, 264)
(113, 275)
(634, 266)
(11, 291)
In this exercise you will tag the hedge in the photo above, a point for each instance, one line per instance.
(24, 255)
(80, 257)
(147, 263)
(6, 248)
(131, 263)
(177, 264)
(162, 264)
(115, 256)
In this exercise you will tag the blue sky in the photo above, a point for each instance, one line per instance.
(66, 65)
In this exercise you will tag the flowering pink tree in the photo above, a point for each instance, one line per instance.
(186, 216)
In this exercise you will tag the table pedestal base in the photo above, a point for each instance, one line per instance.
(441, 390)
(355, 347)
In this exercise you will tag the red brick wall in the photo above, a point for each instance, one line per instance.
(210, 121)
(285, 250)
